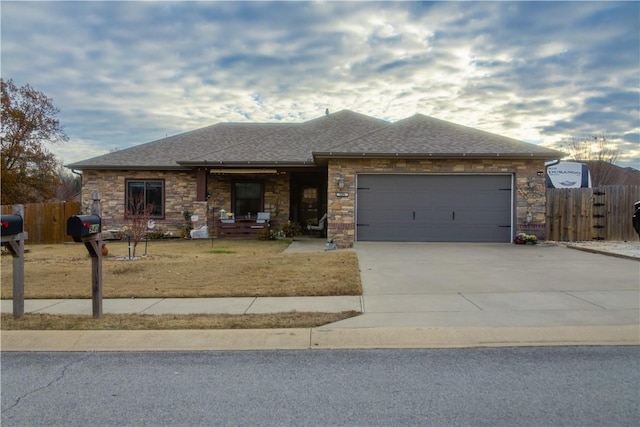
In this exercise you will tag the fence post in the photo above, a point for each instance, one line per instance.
(600, 213)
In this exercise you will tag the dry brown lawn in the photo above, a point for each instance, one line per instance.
(186, 268)
(169, 321)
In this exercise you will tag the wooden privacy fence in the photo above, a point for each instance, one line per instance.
(46, 222)
(600, 213)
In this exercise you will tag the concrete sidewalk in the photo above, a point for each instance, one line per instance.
(252, 305)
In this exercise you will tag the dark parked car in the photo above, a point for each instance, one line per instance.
(636, 217)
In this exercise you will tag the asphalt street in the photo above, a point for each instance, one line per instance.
(569, 386)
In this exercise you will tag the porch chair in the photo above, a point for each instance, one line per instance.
(228, 219)
(263, 217)
(319, 227)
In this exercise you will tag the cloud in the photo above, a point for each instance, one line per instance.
(123, 73)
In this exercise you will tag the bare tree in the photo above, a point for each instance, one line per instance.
(597, 152)
(138, 215)
(70, 184)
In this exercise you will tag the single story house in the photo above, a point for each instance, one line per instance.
(417, 179)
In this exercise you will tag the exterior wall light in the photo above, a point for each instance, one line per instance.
(340, 182)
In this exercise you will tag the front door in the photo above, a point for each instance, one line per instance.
(309, 205)
(308, 197)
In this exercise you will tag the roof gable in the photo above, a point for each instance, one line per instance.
(294, 144)
(420, 135)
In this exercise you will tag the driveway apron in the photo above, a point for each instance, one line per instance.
(493, 285)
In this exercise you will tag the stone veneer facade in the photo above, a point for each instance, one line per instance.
(529, 193)
(276, 194)
(180, 192)
(180, 196)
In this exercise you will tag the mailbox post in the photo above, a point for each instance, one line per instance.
(13, 237)
(88, 230)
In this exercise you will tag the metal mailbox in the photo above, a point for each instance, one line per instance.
(12, 224)
(79, 226)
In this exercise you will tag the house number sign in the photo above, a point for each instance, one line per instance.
(341, 194)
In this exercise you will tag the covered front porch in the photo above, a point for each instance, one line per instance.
(250, 203)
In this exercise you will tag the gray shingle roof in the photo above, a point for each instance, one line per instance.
(420, 135)
(164, 153)
(295, 144)
(342, 134)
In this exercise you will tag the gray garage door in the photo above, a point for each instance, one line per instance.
(434, 208)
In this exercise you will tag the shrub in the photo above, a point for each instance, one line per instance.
(187, 226)
(156, 234)
(266, 234)
(524, 238)
(291, 229)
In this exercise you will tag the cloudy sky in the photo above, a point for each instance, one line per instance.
(124, 73)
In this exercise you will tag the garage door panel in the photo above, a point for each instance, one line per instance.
(482, 214)
(436, 234)
(386, 216)
(434, 208)
(386, 200)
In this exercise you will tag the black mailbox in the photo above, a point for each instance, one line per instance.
(12, 224)
(79, 226)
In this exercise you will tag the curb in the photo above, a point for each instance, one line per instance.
(596, 251)
(453, 337)
(311, 339)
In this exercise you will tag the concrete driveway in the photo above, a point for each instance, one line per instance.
(493, 285)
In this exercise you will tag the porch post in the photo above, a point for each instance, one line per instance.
(201, 184)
